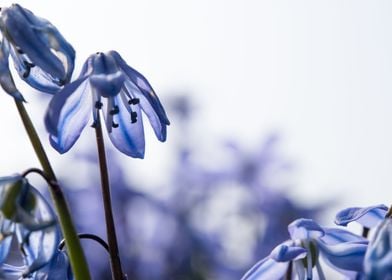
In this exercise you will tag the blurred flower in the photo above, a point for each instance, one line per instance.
(106, 82)
(341, 249)
(42, 57)
(378, 258)
(26, 216)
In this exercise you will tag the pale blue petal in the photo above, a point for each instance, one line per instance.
(6, 80)
(68, 113)
(58, 269)
(107, 79)
(305, 229)
(336, 235)
(378, 259)
(366, 216)
(344, 256)
(141, 82)
(128, 137)
(287, 252)
(34, 76)
(267, 269)
(159, 127)
(107, 85)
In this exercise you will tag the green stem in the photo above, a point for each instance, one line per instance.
(115, 262)
(74, 248)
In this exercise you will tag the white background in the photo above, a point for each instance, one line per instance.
(317, 72)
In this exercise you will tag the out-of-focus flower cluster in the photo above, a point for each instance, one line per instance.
(209, 223)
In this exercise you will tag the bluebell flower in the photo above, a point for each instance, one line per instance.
(106, 83)
(342, 250)
(41, 55)
(27, 217)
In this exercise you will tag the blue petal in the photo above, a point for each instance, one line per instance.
(305, 229)
(6, 80)
(366, 216)
(336, 235)
(288, 252)
(40, 41)
(157, 125)
(141, 82)
(345, 255)
(107, 79)
(34, 76)
(59, 268)
(127, 137)
(266, 269)
(107, 85)
(378, 259)
(68, 113)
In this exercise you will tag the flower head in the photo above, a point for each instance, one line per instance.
(340, 249)
(42, 57)
(28, 218)
(106, 83)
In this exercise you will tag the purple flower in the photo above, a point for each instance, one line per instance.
(106, 83)
(26, 216)
(341, 249)
(42, 57)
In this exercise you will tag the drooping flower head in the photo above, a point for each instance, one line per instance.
(106, 83)
(26, 217)
(41, 55)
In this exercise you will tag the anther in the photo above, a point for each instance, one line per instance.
(98, 105)
(114, 111)
(28, 66)
(134, 101)
(133, 117)
(114, 124)
(26, 73)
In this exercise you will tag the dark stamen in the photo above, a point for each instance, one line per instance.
(133, 117)
(61, 82)
(19, 51)
(98, 105)
(114, 111)
(26, 73)
(134, 101)
(114, 124)
(28, 66)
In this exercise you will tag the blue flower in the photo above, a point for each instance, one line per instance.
(106, 83)
(42, 57)
(341, 249)
(28, 218)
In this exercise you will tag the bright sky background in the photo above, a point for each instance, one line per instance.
(317, 72)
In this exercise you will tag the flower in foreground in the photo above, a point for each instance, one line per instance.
(340, 249)
(106, 83)
(42, 57)
(378, 258)
(28, 218)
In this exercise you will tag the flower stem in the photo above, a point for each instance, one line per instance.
(74, 248)
(115, 261)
